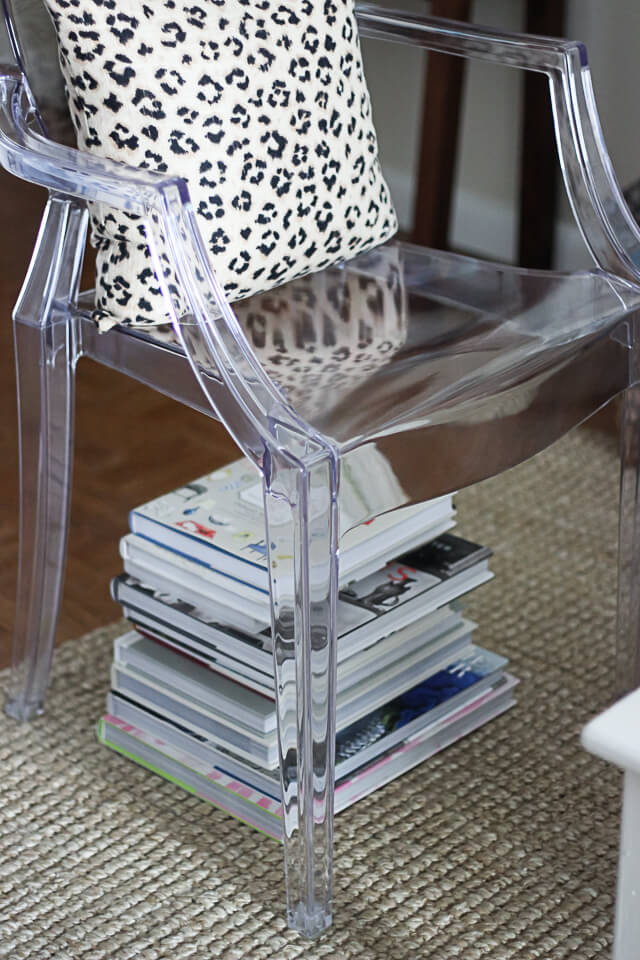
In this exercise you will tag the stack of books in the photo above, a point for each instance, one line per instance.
(192, 688)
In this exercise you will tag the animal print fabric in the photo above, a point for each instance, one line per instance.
(261, 106)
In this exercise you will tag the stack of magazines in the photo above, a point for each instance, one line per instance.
(192, 689)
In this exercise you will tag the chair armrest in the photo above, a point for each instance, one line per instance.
(177, 251)
(467, 40)
(606, 223)
(65, 170)
(607, 226)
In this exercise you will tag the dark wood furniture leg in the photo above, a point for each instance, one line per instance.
(439, 138)
(539, 159)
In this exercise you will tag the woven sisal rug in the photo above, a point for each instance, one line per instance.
(503, 846)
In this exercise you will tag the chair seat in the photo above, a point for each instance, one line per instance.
(408, 340)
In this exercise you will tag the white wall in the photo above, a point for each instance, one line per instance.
(485, 205)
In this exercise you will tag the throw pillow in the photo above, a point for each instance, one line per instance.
(260, 105)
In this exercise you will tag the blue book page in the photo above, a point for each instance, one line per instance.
(419, 701)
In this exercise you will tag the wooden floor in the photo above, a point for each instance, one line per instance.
(121, 459)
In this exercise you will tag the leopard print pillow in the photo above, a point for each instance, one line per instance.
(260, 105)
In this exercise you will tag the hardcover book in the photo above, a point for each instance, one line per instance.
(218, 521)
(202, 603)
(263, 810)
(243, 720)
(351, 669)
(461, 684)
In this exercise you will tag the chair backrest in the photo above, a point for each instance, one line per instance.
(32, 41)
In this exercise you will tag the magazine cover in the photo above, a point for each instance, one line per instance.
(414, 574)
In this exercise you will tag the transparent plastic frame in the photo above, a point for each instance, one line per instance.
(464, 369)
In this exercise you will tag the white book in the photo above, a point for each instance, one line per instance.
(249, 730)
(351, 669)
(388, 599)
(375, 734)
(247, 608)
(262, 810)
(400, 596)
(218, 522)
(252, 712)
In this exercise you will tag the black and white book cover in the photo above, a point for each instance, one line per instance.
(393, 598)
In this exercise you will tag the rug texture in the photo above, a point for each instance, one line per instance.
(503, 846)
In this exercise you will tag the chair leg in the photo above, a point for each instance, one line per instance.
(627, 927)
(628, 627)
(45, 355)
(301, 512)
(45, 374)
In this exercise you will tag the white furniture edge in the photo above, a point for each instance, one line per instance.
(615, 736)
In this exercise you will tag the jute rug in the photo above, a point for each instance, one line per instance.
(503, 846)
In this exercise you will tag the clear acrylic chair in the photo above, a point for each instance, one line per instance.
(425, 370)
